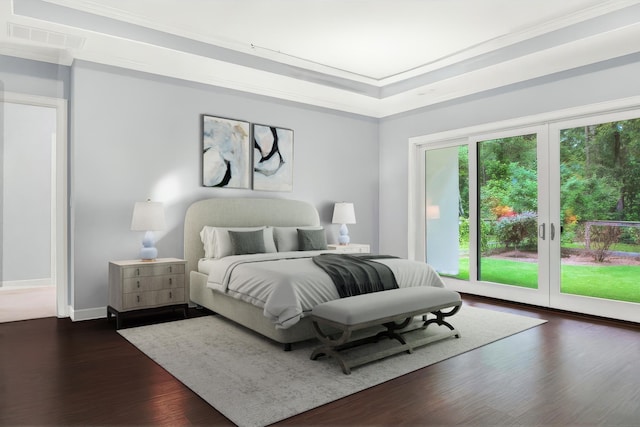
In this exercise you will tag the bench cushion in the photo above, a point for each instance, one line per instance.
(379, 305)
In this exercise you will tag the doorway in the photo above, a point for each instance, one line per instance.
(33, 258)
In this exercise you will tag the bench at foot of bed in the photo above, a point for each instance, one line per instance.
(394, 309)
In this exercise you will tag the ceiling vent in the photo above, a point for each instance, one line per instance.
(40, 36)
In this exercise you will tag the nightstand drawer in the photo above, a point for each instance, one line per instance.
(152, 283)
(137, 300)
(152, 270)
(168, 297)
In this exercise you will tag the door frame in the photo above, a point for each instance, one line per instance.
(59, 209)
(579, 303)
(540, 295)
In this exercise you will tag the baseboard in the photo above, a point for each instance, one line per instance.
(22, 284)
(88, 313)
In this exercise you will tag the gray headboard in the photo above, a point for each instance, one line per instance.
(228, 212)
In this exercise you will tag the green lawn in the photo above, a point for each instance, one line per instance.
(618, 282)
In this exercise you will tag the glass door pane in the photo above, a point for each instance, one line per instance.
(447, 210)
(508, 211)
(600, 210)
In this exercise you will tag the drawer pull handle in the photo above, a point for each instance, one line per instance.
(137, 271)
(170, 280)
(170, 294)
(170, 269)
(138, 297)
(138, 283)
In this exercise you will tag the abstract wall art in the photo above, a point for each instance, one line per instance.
(272, 158)
(226, 155)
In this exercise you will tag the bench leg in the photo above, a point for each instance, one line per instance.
(331, 345)
(392, 334)
(439, 319)
(327, 351)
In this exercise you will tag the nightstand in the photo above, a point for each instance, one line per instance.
(136, 285)
(350, 248)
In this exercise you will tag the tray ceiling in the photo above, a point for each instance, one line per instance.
(370, 57)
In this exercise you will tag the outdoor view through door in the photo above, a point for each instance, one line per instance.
(600, 210)
(553, 211)
(508, 205)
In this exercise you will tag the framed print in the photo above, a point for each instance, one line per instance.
(272, 158)
(226, 153)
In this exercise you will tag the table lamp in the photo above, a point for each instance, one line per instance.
(148, 217)
(343, 213)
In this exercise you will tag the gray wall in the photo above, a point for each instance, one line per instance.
(611, 80)
(34, 77)
(135, 135)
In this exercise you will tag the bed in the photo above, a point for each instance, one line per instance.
(215, 274)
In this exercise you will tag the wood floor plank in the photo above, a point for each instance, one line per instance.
(573, 370)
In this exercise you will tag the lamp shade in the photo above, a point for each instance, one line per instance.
(148, 216)
(343, 213)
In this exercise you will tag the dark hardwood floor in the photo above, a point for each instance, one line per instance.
(571, 371)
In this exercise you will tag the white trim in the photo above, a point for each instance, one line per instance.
(539, 296)
(442, 138)
(59, 236)
(415, 193)
(597, 306)
(87, 313)
(23, 284)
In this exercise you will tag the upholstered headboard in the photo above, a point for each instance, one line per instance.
(240, 213)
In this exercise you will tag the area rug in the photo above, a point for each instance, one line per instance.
(253, 382)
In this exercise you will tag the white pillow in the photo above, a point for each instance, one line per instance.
(217, 243)
(287, 237)
(208, 242)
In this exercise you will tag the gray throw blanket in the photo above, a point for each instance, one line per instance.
(356, 274)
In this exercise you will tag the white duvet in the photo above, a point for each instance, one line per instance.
(287, 285)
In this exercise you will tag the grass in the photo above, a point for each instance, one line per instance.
(618, 282)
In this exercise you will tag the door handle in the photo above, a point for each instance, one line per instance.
(541, 231)
(553, 231)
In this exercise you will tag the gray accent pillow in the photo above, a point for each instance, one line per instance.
(247, 242)
(286, 238)
(311, 240)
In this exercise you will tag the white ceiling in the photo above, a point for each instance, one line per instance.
(371, 57)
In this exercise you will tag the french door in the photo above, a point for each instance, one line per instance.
(521, 214)
(595, 264)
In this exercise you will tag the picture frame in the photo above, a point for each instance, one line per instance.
(226, 152)
(272, 158)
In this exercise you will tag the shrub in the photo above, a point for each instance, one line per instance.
(463, 231)
(602, 237)
(519, 231)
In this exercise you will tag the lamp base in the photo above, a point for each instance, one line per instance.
(148, 251)
(344, 238)
(148, 254)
